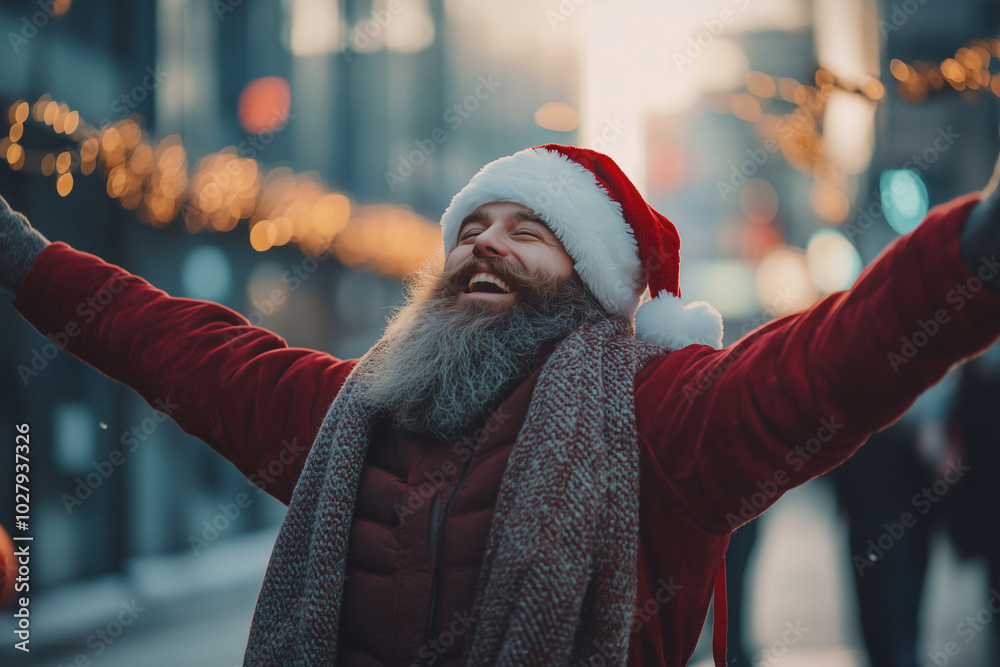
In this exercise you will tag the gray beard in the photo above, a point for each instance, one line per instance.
(443, 365)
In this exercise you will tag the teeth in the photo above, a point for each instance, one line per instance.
(487, 278)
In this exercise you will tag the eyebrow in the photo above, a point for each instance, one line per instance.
(479, 215)
(475, 216)
(528, 216)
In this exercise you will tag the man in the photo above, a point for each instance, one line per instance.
(514, 474)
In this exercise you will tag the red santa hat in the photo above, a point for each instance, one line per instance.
(619, 244)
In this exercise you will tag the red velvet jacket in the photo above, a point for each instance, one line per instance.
(722, 433)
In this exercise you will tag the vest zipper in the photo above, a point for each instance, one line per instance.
(437, 544)
(437, 541)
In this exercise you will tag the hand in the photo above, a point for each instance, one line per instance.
(20, 244)
(981, 234)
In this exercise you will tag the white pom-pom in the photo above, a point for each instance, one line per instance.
(666, 321)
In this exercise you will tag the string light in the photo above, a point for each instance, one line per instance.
(788, 115)
(224, 189)
(967, 72)
(799, 133)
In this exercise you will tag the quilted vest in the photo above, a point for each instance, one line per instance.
(421, 521)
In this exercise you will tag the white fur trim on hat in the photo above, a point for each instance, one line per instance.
(665, 320)
(567, 196)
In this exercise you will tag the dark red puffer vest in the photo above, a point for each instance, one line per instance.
(418, 536)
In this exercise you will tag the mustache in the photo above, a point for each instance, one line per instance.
(518, 280)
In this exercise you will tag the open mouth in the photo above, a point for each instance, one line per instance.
(486, 283)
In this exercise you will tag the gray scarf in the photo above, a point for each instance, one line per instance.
(558, 579)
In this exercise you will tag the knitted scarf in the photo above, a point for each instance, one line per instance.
(558, 578)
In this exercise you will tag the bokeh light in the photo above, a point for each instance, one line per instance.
(759, 201)
(14, 153)
(206, 274)
(21, 112)
(904, 199)
(727, 284)
(264, 105)
(834, 263)
(412, 30)
(830, 202)
(64, 185)
(784, 282)
(557, 116)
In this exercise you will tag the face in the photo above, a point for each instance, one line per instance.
(513, 234)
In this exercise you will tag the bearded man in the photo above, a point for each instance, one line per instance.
(526, 469)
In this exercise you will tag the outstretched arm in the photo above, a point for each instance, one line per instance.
(239, 388)
(731, 430)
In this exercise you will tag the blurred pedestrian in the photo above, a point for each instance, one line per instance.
(888, 536)
(972, 508)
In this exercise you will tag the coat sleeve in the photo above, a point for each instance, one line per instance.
(239, 388)
(728, 431)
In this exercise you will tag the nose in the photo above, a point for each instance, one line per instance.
(490, 243)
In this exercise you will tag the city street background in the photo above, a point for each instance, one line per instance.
(290, 160)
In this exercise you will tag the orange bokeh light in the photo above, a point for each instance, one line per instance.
(263, 105)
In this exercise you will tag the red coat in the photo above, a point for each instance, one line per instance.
(722, 433)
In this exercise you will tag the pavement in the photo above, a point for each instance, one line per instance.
(802, 576)
(163, 612)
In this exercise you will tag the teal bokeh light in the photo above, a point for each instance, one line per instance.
(206, 274)
(904, 199)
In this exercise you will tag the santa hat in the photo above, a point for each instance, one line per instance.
(619, 244)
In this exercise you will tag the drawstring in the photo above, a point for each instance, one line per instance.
(719, 616)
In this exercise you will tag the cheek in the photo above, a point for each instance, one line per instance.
(551, 262)
(565, 264)
(457, 256)
(559, 264)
